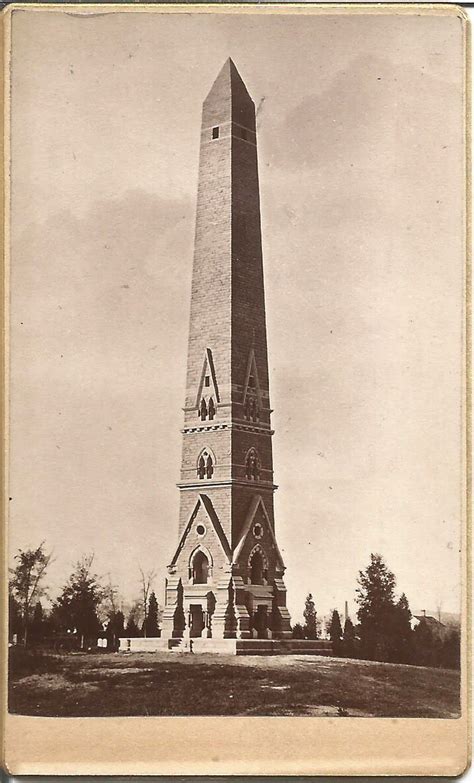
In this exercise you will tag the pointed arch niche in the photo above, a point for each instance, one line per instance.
(252, 465)
(208, 391)
(200, 566)
(257, 566)
(252, 395)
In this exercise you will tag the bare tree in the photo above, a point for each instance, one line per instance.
(112, 600)
(147, 584)
(25, 583)
(111, 611)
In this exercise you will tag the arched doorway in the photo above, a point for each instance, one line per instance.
(197, 621)
(260, 622)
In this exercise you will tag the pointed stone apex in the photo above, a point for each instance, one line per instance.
(228, 63)
(228, 78)
(230, 68)
(228, 99)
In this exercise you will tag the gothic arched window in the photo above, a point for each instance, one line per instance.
(203, 410)
(252, 465)
(200, 568)
(201, 470)
(209, 466)
(257, 569)
(211, 409)
(205, 464)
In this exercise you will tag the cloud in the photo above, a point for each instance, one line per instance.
(373, 105)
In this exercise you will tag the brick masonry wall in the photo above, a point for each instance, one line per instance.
(248, 302)
(219, 442)
(210, 319)
(221, 501)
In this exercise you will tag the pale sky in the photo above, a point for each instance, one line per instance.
(360, 158)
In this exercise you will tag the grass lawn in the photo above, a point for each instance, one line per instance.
(107, 684)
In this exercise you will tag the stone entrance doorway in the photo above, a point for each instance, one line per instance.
(260, 622)
(196, 620)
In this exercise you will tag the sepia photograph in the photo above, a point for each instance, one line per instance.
(236, 364)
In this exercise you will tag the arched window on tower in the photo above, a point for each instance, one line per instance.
(200, 568)
(211, 409)
(252, 465)
(209, 466)
(201, 470)
(257, 569)
(205, 464)
(203, 410)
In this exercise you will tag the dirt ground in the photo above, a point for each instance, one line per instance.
(99, 684)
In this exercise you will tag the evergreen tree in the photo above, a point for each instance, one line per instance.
(76, 608)
(132, 630)
(151, 621)
(349, 639)
(375, 596)
(147, 580)
(119, 623)
(298, 631)
(451, 651)
(310, 618)
(402, 644)
(335, 632)
(424, 646)
(136, 615)
(115, 629)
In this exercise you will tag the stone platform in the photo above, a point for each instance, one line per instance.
(262, 646)
(229, 646)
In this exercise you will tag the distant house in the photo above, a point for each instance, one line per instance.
(438, 629)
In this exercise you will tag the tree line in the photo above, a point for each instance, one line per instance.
(384, 630)
(86, 608)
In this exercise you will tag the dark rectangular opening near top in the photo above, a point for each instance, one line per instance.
(215, 132)
(207, 381)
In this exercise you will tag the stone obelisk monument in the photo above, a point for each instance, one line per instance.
(226, 576)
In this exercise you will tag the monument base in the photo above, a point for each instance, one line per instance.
(228, 646)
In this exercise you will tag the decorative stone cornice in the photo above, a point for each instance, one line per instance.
(205, 428)
(219, 483)
(259, 429)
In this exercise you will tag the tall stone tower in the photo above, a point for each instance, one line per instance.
(226, 576)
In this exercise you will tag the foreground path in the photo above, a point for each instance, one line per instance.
(172, 684)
